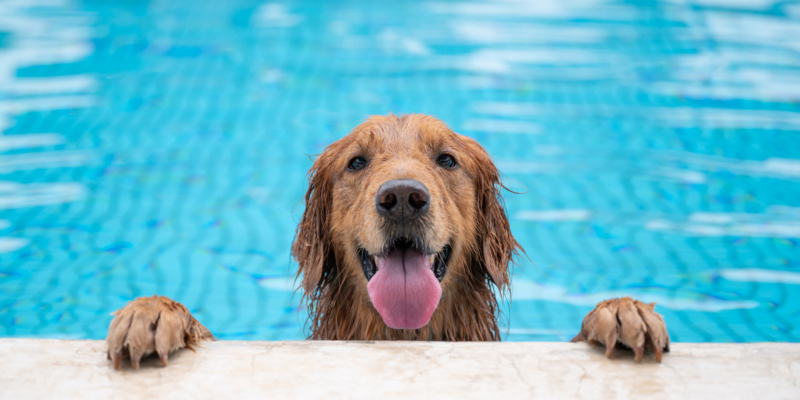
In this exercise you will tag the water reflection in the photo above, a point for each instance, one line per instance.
(36, 40)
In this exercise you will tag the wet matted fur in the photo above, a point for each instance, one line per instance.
(457, 238)
(466, 211)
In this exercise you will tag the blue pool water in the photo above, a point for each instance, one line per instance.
(161, 147)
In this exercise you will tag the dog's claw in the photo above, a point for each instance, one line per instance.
(631, 327)
(136, 356)
(639, 353)
(610, 349)
(152, 325)
(626, 322)
(117, 360)
(657, 338)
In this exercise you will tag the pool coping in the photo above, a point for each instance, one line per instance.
(50, 368)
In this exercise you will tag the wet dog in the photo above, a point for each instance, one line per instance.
(404, 237)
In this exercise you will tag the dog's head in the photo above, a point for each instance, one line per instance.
(404, 209)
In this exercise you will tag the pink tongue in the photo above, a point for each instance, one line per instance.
(404, 290)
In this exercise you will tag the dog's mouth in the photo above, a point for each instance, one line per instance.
(404, 282)
(369, 263)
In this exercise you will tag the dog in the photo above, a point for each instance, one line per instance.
(404, 237)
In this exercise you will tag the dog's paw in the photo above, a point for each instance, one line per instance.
(628, 322)
(152, 324)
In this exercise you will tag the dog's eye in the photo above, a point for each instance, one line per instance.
(446, 161)
(357, 163)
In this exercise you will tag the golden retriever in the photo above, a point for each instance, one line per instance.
(403, 237)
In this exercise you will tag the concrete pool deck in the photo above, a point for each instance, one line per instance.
(45, 368)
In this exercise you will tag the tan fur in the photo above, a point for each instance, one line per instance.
(627, 322)
(466, 210)
(152, 325)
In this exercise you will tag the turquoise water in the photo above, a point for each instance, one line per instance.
(161, 147)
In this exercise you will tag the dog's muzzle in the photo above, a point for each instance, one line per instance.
(404, 278)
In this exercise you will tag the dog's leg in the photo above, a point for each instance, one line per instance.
(629, 322)
(152, 324)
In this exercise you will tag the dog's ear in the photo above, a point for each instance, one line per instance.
(495, 241)
(312, 244)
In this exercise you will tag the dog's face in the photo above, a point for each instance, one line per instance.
(403, 208)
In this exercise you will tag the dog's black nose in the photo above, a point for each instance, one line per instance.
(402, 200)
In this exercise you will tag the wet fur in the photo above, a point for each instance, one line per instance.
(466, 211)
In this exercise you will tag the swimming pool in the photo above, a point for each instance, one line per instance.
(161, 147)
